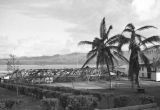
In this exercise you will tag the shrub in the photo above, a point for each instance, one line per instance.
(40, 91)
(22, 90)
(54, 94)
(45, 93)
(144, 99)
(49, 104)
(84, 92)
(64, 99)
(97, 95)
(82, 102)
(9, 103)
(121, 101)
(62, 89)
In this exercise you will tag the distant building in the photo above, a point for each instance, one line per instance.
(153, 72)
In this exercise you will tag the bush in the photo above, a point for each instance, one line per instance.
(54, 94)
(84, 92)
(41, 91)
(9, 103)
(64, 99)
(22, 90)
(121, 101)
(49, 104)
(146, 99)
(81, 102)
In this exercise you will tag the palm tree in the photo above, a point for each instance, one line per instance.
(138, 44)
(102, 50)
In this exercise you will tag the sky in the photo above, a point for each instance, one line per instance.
(48, 27)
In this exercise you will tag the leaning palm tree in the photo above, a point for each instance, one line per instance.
(102, 50)
(138, 45)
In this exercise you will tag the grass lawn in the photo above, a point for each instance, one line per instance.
(27, 104)
(104, 84)
(119, 87)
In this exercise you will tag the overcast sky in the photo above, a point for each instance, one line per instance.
(48, 27)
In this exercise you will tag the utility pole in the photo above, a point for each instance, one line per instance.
(11, 66)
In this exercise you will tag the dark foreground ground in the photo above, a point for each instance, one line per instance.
(28, 103)
(120, 87)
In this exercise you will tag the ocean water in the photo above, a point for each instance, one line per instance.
(4, 67)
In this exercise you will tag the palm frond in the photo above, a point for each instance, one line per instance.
(107, 34)
(109, 58)
(102, 28)
(111, 47)
(121, 56)
(130, 26)
(124, 40)
(110, 55)
(140, 36)
(156, 62)
(96, 42)
(90, 53)
(127, 30)
(151, 40)
(140, 39)
(119, 38)
(151, 48)
(88, 60)
(85, 42)
(120, 47)
(98, 60)
(144, 58)
(145, 27)
(113, 39)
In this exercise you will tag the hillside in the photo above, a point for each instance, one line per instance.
(72, 58)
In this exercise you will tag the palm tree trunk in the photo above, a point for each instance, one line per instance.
(137, 80)
(131, 70)
(132, 84)
(132, 80)
(17, 90)
(109, 76)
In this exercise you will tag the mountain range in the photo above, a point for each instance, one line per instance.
(72, 58)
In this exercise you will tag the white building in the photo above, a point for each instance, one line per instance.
(143, 72)
(153, 74)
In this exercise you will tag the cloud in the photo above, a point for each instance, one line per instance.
(6, 46)
(146, 9)
(86, 15)
(47, 27)
(25, 35)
